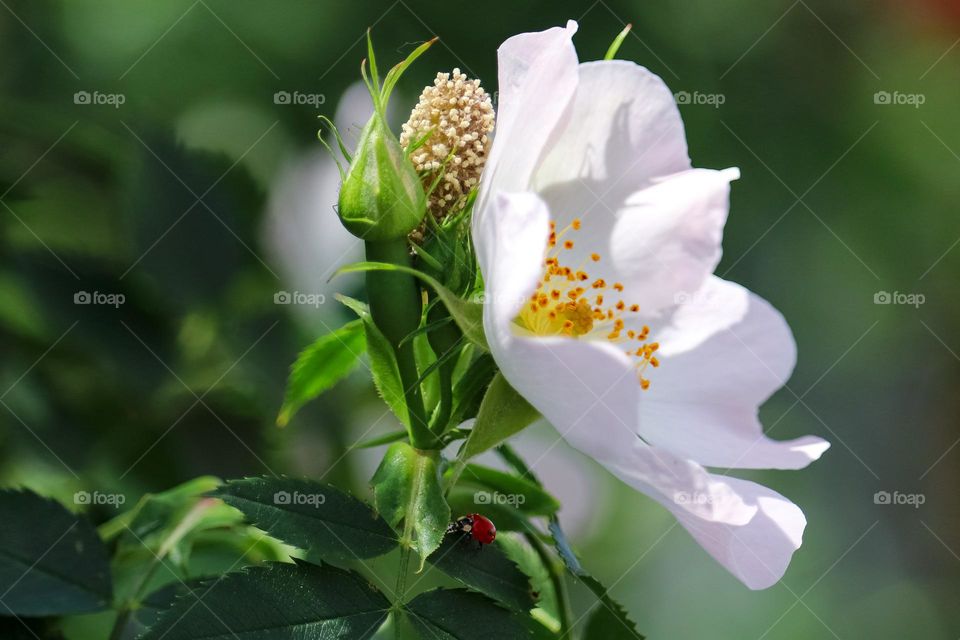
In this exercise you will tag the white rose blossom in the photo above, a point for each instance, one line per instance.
(597, 241)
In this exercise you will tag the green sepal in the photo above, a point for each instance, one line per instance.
(503, 412)
(615, 45)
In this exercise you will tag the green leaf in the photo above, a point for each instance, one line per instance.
(407, 487)
(51, 561)
(504, 488)
(468, 315)
(503, 413)
(312, 516)
(387, 438)
(485, 569)
(469, 388)
(383, 361)
(457, 614)
(321, 365)
(149, 610)
(277, 602)
(609, 621)
(520, 551)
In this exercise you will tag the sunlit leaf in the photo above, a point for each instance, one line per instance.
(407, 488)
(321, 365)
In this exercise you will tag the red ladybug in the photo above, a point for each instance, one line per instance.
(477, 526)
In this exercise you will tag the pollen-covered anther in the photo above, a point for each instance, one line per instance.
(559, 306)
(447, 137)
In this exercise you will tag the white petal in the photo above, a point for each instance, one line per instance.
(749, 529)
(304, 237)
(623, 131)
(759, 551)
(589, 393)
(537, 80)
(661, 243)
(723, 353)
(510, 242)
(666, 240)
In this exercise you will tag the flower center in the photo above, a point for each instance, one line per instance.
(569, 302)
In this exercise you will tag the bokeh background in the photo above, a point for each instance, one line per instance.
(167, 152)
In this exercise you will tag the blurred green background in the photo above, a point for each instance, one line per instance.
(167, 151)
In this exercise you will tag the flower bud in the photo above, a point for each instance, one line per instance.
(381, 197)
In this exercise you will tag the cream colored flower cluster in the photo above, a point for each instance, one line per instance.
(457, 116)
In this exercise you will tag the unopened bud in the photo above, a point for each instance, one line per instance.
(381, 197)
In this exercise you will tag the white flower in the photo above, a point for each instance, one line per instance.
(622, 337)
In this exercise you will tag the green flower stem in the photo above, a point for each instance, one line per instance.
(396, 309)
(401, 590)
